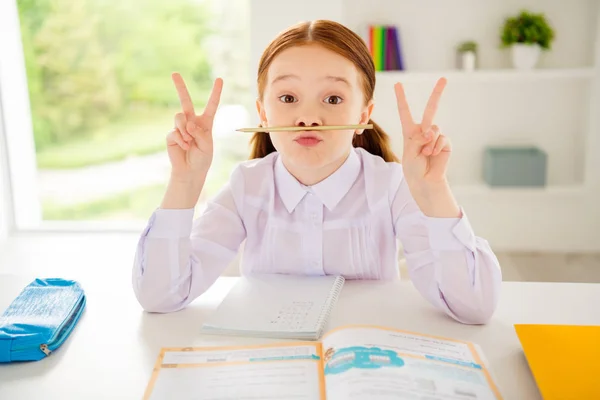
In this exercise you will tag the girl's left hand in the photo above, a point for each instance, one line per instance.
(426, 150)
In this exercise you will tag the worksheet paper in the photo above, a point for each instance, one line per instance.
(223, 374)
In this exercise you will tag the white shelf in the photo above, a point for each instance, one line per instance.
(489, 75)
(485, 190)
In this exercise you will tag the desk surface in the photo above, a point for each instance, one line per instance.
(111, 352)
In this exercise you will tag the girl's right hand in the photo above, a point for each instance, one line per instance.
(190, 142)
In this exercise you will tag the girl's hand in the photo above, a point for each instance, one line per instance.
(426, 150)
(190, 142)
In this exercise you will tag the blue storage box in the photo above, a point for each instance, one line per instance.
(514, 166)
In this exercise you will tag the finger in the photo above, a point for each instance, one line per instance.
(184, 96)
(174, 138)
(430, 139)
(182, 123)
(214, 99)
(432, 104)
(442, 144)
(403, 110)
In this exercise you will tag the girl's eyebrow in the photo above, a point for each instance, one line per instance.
(284, 77)
(338, 79)
(328, 77)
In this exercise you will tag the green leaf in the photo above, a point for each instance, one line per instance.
(527, 27)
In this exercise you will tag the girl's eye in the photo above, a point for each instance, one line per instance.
(333, 100)
(287, 98)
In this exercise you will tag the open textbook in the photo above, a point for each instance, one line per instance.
(352, 362)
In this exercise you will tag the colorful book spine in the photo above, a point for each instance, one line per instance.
(389, 50)
(398, 62)
(384, 46)
(375, 33)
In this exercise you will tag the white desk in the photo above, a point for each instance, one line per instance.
(111, 352)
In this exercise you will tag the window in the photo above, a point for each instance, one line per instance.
(101, 101)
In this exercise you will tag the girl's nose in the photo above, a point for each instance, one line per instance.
(309, 121)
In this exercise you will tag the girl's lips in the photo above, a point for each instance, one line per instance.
(307, 139)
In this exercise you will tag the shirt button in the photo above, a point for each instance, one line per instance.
(315, 263)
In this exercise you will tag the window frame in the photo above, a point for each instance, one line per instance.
(20, 163)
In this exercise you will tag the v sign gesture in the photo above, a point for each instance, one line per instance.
(190, 142)
(425, 155)
(426, 151)
(190, 147)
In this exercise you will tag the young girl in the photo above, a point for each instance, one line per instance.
(316, 202)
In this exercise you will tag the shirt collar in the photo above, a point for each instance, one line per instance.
(330, 190)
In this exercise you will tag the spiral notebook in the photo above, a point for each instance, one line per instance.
(277, 306)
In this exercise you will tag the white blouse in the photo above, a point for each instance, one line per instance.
(349, 224)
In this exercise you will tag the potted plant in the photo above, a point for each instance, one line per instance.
(526, 34)
(467, 55)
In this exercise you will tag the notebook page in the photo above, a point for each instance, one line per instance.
(275, 303)
(379, 364)
(267, 372)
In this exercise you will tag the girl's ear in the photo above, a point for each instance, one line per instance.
(365, 116)
(261, 113)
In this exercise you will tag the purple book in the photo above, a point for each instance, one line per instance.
(390, 59)
(398, 62)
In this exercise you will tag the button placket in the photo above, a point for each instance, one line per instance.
(315, 234)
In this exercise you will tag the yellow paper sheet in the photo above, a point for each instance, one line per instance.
(564, 359)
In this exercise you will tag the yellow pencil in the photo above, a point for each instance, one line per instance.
(305, 128)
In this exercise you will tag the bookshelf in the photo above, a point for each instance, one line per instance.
(551, 107)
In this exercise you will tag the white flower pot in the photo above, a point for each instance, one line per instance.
(468, 61)
(525, 56)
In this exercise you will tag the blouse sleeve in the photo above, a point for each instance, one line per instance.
(449, 265)
(179, 258)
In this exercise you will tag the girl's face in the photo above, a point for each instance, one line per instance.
(308, 86)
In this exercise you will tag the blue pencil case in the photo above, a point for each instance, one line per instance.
(40, 319)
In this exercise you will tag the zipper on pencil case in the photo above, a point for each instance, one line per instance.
(59, 337)
(63, 331)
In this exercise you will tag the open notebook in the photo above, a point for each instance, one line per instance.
(350, 362)
(277, 306)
